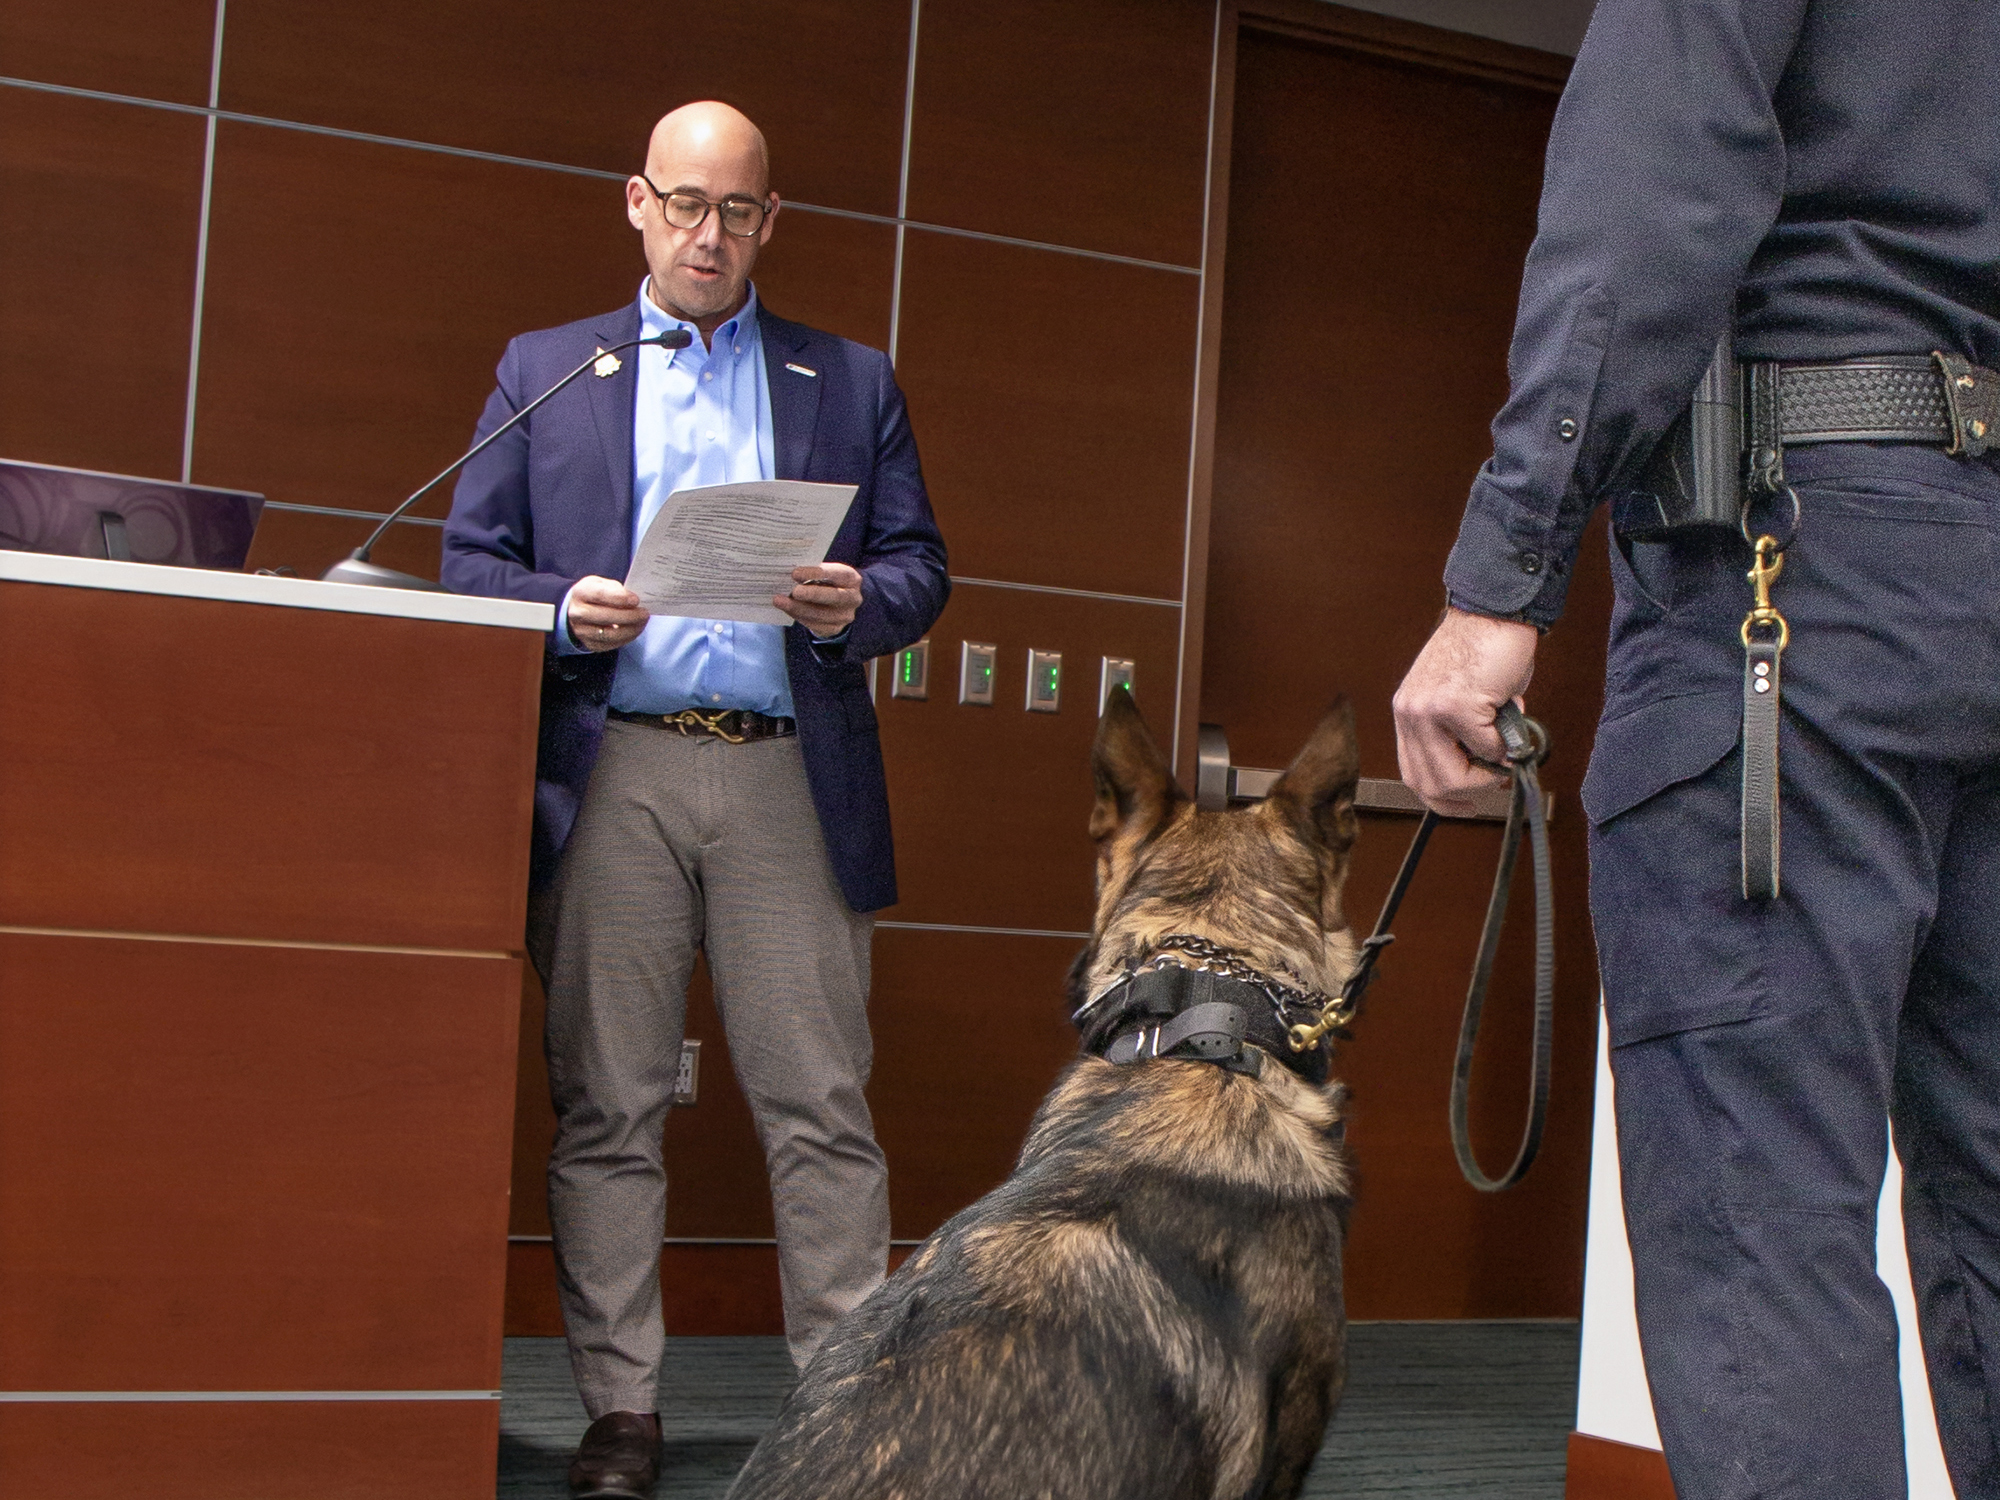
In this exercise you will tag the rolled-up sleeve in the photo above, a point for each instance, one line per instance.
(1666, 169)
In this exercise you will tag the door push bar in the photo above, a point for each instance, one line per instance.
(1218, 784)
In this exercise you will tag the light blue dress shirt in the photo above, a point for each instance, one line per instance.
(702, 416)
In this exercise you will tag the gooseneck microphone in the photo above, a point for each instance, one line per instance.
(356, 568)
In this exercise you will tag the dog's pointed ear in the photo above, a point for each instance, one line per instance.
(1317, 789)
(1134, 783)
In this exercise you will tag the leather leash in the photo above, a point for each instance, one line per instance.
(1527, 746)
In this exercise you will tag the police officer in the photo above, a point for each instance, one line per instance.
(1816, 184)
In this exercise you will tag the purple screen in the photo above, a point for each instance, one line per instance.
(62, 511)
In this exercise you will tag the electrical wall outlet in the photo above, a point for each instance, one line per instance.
(912, 677)
(1117, 672)
(1044, 681)
(687, 1078)
(976, 665)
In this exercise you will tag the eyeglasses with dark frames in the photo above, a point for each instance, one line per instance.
(742, 217)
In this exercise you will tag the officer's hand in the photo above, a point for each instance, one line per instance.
(824, 597)
(1469, 667)
(604, 614)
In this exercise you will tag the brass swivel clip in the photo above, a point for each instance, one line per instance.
(1338, 1013)
(1763, 573)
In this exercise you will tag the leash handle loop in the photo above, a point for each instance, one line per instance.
(1526, 812)
(1523, 738)
(1527, 746)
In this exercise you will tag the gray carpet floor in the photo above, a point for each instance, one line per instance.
(1432, 1410)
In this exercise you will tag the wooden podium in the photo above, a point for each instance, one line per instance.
(263, 866)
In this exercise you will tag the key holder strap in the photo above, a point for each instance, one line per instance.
(1764, 634)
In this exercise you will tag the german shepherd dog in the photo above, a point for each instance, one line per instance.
(1150, 1307)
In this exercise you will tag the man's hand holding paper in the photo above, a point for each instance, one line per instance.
(737, 551)
(831, 599)
(604, 614)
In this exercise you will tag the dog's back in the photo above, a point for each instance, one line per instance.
(1106, 1324)
(1150, 1307)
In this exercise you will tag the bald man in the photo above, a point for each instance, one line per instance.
(702, 784)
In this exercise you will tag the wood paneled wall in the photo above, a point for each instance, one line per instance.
(287, 257)
(279, 245)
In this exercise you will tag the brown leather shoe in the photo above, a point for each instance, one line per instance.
(618, 1459)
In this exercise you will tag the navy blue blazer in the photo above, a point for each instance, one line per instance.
(551, 502)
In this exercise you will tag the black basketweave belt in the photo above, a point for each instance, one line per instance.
(736, 726)
(1887, 398)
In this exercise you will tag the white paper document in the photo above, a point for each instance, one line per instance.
(721, 552)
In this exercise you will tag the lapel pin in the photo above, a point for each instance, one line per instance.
(814, 374)
(607, 365)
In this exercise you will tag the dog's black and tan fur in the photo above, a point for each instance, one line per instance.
(1150, 1307)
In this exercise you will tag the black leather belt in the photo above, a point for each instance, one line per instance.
(1889, 398)
(737, 726)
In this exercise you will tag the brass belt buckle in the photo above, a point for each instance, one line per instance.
(690, 719)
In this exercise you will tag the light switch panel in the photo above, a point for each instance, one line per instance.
(1117, 672)
(976, 663)
(1044, 681)
(912, 677)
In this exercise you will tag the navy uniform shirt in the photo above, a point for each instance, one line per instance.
(1828, 170)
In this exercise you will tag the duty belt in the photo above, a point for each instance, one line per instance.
(737, 726)
(1889, 398)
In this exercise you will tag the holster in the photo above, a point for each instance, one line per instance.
(1694, 480)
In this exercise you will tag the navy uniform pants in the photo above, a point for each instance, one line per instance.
(1762, 1051)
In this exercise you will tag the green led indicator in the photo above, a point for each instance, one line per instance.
(1044, 681)
(912, 672)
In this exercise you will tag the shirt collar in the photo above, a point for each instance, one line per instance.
(654, 320)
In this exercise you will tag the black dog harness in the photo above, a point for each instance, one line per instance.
(1198, 1001)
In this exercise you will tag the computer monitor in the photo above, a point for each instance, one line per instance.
(79, 513)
